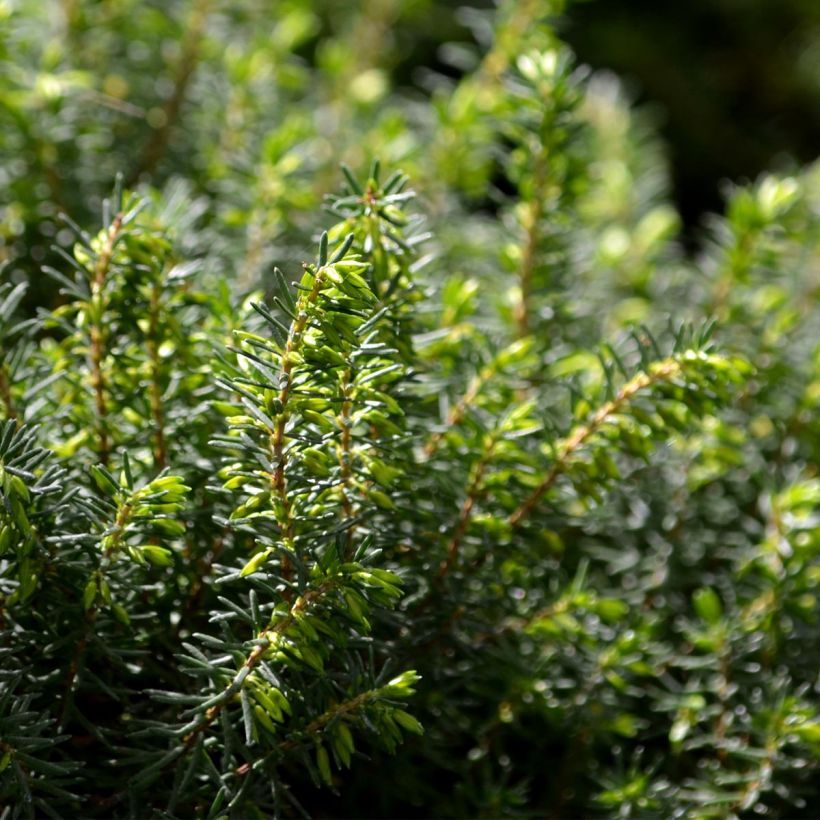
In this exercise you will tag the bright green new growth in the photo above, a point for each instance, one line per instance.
(453, 522)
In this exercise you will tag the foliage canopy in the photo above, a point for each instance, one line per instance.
(491, 491)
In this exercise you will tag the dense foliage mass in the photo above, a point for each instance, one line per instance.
(486, 502)
(737, 85)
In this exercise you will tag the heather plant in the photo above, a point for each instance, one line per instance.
(467, 494)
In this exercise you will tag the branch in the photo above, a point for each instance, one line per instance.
(503, 359)
(158, 143)
(320, 722)
(5, 394)
(344, 451)
(529, 256)
(663, 371)
(277, 437)
(458, 412)
(157, 413)
(265, 640)
(473, 493)
(98, 337)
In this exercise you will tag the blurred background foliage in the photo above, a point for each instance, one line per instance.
(736, 83)
(244, 100)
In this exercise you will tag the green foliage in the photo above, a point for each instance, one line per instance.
(519, 511)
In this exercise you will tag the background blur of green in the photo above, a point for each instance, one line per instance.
(737, 82)
(206, 90)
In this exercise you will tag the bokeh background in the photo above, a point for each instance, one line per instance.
(206, 90)
(734, 84)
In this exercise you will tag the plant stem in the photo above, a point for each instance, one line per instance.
(529, 256)
(74, 667)
(277, 438)
(663, 371)
(157, 413)
(265, 640)
(458, 412)
(116, 534)
(97, 337)
(157, 145)
(345, 455)
(5, 394)
(473, 493)
(342, 709)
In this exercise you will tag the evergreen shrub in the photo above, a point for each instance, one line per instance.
(483, 502)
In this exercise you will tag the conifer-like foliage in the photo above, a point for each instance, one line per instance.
(485, 501)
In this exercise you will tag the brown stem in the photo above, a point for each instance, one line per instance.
(767, 764)
(529, 256)
(5, 394)
(465, 515)
(121, 522)
(157, 413)
(97, 335)
(71, 15)
(265, 640)
(204, 567)
(342, 709)
(535, 214)
(477, 384)
(664, 370)
(315, 726)
(723, 691)
(458, 412)
(277, 437)
(766, 604)
(578, 743)
(578, 739)
(345, 455)
(157, 144)
(74, 667)
(98, 381)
